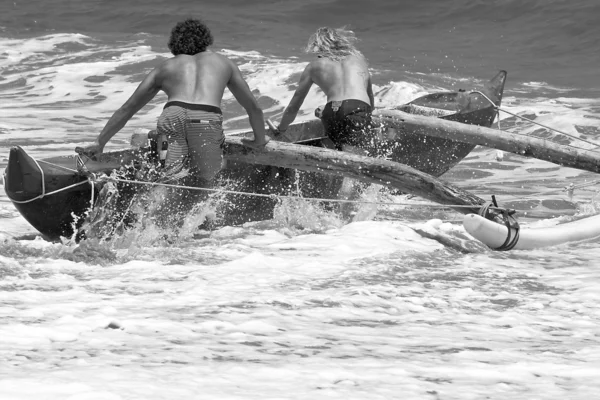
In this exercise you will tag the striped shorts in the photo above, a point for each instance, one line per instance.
(195, 135)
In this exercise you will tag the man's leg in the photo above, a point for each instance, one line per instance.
(166, 202)
(205, 140)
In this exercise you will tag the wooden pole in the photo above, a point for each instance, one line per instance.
(366, 169)
(478, 135)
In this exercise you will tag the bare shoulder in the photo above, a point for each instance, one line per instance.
(168, 63)
(358, 60)
(320, 62)
(320, 65)
(166, 68)
(174, 63)
(223, 59)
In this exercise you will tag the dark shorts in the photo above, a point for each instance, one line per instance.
(195, 134)
(348, 122)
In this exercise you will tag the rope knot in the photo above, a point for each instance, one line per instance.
(503, 216)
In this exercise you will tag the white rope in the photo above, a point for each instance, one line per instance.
(537, 123)
(273, 196)
(43, 182)
(49, 193)
(43, 187)
(316, 199)
(58, 166)
(92, 178)
(91, 182)
(570, 188)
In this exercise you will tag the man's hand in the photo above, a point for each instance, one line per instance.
(91, 151)
(253, 144)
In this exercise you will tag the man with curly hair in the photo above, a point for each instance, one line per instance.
(194, 81)
(342, 72)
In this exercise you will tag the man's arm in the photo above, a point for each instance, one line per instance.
(240, 90)
(142, 95)
(290, 112)
(370, 93)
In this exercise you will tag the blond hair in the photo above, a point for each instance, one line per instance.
(335, 44)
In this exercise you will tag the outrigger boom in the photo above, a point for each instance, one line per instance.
(522, 145)
(366, 169)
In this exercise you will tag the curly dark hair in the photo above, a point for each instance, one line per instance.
(190, 37)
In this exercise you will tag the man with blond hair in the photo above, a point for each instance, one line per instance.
(342, 73)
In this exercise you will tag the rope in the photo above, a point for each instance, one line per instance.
(274, 196)
(498, 109)
(92, 178)
(509, 221)
(43, 182)
(571, 187)
(318, 199)
(49, 193)
(58, 166)
(271, 196)
(91, 182)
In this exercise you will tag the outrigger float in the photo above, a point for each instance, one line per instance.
(510, 237)
(422, 140)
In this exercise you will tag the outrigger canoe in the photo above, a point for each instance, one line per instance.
(53, 194)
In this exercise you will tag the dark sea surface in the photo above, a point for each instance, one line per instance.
(554, 41)
(307, 305)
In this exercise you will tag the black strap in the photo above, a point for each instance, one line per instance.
(494, 213)
(510, 222)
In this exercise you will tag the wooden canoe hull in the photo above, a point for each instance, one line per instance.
(64, 197)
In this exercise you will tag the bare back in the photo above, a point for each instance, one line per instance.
(197, 79)
(342, 80)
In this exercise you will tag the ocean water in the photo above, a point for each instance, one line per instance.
(306, 305)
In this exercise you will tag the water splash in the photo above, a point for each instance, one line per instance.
(130, 214)
(367, 210)
(299, 214)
